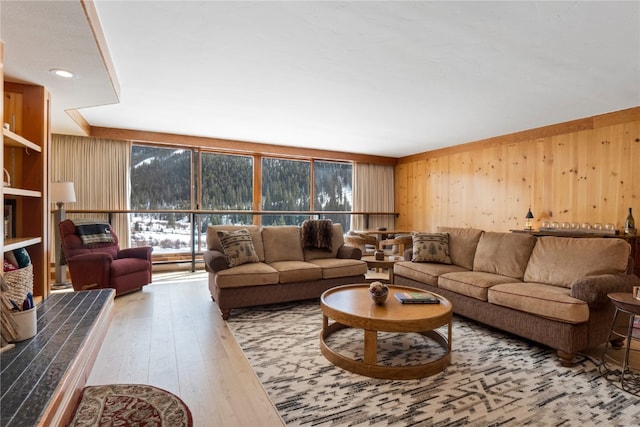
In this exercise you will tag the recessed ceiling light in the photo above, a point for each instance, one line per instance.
(62, 73)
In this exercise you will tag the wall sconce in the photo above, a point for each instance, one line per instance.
(61, 192)
(528, 220)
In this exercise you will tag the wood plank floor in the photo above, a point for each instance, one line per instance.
(171, 335)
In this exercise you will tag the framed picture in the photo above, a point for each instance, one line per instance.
(636, 292)
(9, 218)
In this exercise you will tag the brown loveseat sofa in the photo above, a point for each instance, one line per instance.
(285, 271)
(552, 290)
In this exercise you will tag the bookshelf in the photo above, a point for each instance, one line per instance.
(25, 147)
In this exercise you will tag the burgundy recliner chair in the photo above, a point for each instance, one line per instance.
(104, 265)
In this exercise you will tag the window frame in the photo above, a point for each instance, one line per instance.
(197, 154)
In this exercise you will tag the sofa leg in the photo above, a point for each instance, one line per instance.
(226, 314)
(566, 359)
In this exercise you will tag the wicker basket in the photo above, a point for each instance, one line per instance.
(19, 283)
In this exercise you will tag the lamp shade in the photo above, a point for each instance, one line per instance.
(62, 192)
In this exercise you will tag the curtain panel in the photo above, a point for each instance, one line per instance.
(99, 170)
(373, 190)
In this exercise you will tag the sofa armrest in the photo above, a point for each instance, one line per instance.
(215, 261)
(594, 289)
(349, 252)
(142, 252)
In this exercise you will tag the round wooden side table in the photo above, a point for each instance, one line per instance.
(387, 263)
(629, 377)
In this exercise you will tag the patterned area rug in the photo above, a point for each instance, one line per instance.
(494, 378)
(128, 405)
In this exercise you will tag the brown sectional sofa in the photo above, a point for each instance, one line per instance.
(285, 272)
(552, 290)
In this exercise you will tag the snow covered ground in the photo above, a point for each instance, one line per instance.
(165, 239)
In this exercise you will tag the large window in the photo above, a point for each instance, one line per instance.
(226, 184)
(332, 190)
(169, 179)
(161, 180)
(285, 187)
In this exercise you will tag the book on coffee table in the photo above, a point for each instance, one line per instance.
(416, 298)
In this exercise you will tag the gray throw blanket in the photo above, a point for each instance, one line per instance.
(316, 234)
(90, 234)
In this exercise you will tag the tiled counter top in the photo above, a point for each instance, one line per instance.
(41, 378)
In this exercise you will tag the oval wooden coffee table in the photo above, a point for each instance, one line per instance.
(351, 306)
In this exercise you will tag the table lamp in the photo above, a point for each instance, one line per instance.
(528, 223)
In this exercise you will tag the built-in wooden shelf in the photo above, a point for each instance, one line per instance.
(25, 149)
(13, 191)
(12, 139)
(21, 242)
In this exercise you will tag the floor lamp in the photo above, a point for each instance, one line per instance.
(61, 192)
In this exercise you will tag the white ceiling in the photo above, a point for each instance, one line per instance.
(386, 78)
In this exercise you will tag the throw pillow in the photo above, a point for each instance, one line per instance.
(431, 247)
(238, 247)
(22, 256)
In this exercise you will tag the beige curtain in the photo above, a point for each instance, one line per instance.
(373, 190)
(99, 170)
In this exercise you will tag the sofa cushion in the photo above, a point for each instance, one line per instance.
(337, 267)
(282, 243)
(296, 271)
(238, 247)
(337, 240)
(462, 244)
(213, 242)
(252, 274)
(474, 284)
(431, 247)
(506, 254)
(560, 261)
(424, 272)
(552, 302)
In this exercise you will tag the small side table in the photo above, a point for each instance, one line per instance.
(387, 263)
(629, 380)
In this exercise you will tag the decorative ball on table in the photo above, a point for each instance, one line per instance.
(379, 292)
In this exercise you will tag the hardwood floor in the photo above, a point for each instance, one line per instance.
(171, 335)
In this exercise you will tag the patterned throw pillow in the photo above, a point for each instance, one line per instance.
(22, 256)
(432, 247)
(238, 247)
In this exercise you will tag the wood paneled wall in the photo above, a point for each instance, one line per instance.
(587, 170)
